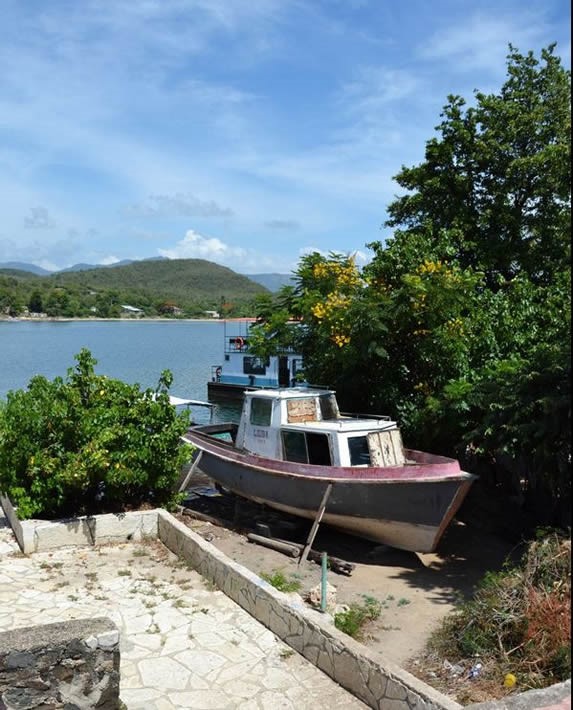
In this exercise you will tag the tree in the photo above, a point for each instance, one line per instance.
(457, 326)
(35, 304)
(494, 190)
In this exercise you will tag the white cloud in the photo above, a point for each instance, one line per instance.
(196, 246)
(481, 42)
(287, 225)
(39, 218)
(177, 205)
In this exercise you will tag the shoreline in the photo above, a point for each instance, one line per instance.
(28, 319)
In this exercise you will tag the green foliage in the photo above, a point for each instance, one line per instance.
(89, 444)
(497, 180)
(356, 617)
(460, 325)
(189, 285)
(279, 581)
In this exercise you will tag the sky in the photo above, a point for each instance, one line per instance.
(244, 132)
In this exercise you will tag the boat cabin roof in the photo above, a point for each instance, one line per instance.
(290, 393)
(301, 418)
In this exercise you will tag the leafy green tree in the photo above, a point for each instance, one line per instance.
(89, 444)
(35, 304)
(57, 302)
(457, 326)
(497, 180)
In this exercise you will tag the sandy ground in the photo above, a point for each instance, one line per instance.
(415, 590)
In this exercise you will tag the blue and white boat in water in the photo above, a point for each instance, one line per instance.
(240, 370)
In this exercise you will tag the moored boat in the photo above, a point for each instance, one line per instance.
(241, 370)
(294, 451)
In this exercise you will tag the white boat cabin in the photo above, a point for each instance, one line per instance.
(305, 426)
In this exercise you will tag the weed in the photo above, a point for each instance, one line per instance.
(73, 597)
(285, 653)
(279, 581)
(353, 620)
(124, 573)
(140, 552)
(518, 620)
(180, 603)
(403, 601)
(210, 585)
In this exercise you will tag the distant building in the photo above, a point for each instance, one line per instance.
(212, 314)
(131, 310)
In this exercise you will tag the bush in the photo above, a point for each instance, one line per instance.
(518, 620)
(89, 444)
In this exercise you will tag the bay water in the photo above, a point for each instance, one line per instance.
(132, 351)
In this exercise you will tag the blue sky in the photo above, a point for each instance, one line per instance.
(245, 132)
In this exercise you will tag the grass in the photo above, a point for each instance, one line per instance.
(278, 580)
(354, 620)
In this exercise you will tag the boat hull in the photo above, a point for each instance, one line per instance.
(407, 507)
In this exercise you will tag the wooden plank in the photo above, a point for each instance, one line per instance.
(273, 544)
(190, 473)
(316, 523)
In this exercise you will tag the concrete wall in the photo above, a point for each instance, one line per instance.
(72, 664)
(367, 675)
(556, 697)
(43, 535)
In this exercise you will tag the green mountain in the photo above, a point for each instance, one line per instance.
(157, 287)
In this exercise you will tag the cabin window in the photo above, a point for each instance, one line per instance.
(294, 446)
(359, 452)
(255, 365)
(261, 410)
(329, 407)
(306, 448)
(318, 449)
(301, 410)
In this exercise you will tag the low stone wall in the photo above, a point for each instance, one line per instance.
(365, 674)
(556, 697)
(72, 664)
(44, 535)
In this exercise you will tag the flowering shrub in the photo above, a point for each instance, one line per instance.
(89, 444)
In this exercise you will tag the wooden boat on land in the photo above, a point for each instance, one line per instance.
(294, 451)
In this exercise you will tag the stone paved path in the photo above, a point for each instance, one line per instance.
(183, 644)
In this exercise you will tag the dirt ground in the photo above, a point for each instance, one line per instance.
(415, 590)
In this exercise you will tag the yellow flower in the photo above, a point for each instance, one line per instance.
(510, 680)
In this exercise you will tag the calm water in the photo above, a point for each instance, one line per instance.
(132, 351)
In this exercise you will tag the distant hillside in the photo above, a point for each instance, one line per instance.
(22, 266)
(274, 282)
(177, 279)
(156, 287)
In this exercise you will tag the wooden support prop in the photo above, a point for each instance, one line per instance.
(314, 528)
(274, 544)
(191, 471)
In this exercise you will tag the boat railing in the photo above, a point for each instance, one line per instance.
(356, 415)
(240, 344)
